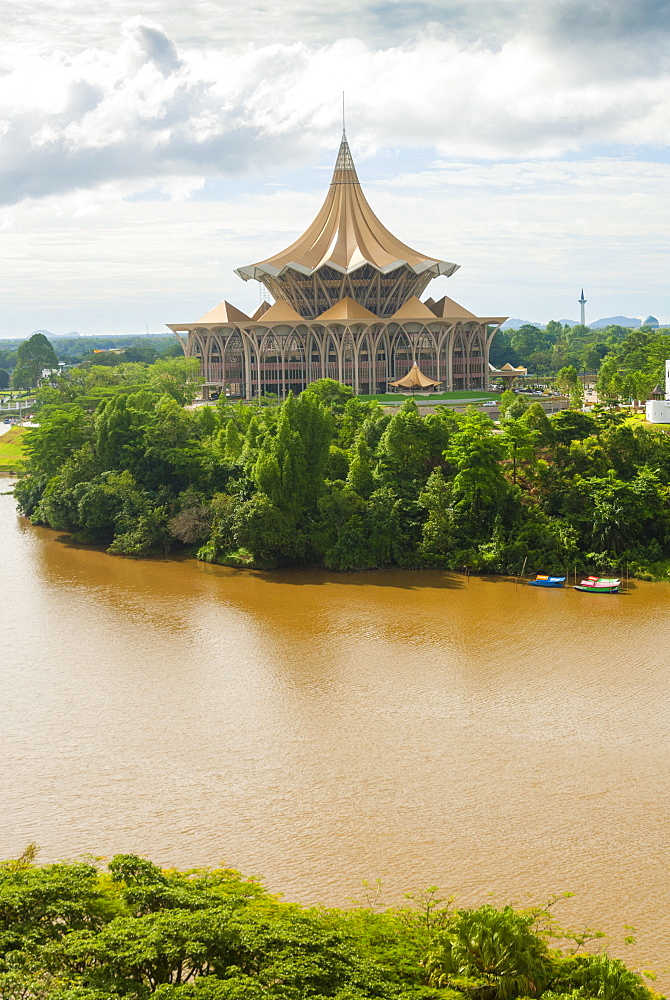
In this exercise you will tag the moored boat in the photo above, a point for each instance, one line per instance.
(547, 581)
(599, 585)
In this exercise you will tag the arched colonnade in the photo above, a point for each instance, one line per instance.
(258, 359)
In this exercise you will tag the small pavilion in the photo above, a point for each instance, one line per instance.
(415, 379)
(508, 373)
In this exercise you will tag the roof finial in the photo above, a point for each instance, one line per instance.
(344, 130)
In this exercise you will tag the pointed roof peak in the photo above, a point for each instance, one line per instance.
(281, 312)
(345, 309)
(224, 313)
(414, 308)
(262, 309)
(345, 235)
(345, 171)
(446, 308)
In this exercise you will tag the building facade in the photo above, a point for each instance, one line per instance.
(347, 307)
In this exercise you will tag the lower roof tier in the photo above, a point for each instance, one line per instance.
(345, 312)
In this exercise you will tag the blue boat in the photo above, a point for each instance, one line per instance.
(547, 581)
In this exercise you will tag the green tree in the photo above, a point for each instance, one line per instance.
(439, 532)
(479, 486)
(536, 419)
(567, 380)
(34, 356)
(404, 447)
(4, 379)
(360, 475)
(290, 467)
(520, 444)
(57, 437)
(497, 948)
(234, 442)
(512, 405)
(571, 425)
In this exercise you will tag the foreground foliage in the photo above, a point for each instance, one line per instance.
(329, 479)
(71, 931)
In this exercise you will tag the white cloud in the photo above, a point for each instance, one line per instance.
(145, 110)
(494, 95)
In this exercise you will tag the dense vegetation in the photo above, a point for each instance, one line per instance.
(75, 350)
(545, 351)
(74, 931)
(329, 479)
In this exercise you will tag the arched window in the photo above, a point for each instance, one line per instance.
(382, 358)
(294, 364)
(348, 355)
(233, 366)
(426, 354)
(476, 361)
(402, 355)
(271, 366)
(459, 360)
(365, 364)
(314, 367)
(214, 365)
(332, 358)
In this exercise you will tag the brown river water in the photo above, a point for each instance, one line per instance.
(320, 729)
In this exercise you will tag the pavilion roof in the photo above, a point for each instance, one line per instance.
(224, 313)
(414, 308)
(507, 369)
(281, 312)
(346, 234)
(446, 308)
(415, 379)
(347, 308)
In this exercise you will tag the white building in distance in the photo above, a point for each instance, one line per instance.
(658, 410)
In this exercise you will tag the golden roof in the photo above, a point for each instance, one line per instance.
(281, 312)
(415, 379)
(224, 313)
(262, 309)
(414, 308)
(446, 308)
(345, 235)
(347, 309)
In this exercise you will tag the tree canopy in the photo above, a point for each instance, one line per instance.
(77, 931)
(33, 356)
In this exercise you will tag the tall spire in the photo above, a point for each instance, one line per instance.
(582, 303)
(345, 171)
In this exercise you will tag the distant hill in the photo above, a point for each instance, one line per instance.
(600, 324)
(56, 336)
(514, 324)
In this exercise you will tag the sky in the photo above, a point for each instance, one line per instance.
(147, 151)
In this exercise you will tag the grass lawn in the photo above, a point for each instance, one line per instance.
(12, 455)
(395, 397)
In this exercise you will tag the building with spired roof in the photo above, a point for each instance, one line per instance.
(347, 307)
